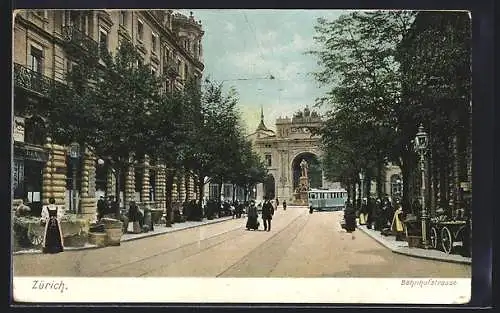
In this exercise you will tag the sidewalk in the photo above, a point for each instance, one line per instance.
(158, 230)
(401, 247)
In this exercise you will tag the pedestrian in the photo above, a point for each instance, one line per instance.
(101, 207)
(277, 203)
(363, 212)
(350, 218)
(397, 226)
(252, 215)
(135, 217)
(53, 238)
(267, 214)
(284, 205)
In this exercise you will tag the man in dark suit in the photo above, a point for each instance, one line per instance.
(267, 214)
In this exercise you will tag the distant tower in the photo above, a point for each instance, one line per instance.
(262, 126)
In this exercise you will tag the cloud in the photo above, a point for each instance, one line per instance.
(255, 63)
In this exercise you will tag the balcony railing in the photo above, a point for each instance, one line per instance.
(32, 80)
(78, 38)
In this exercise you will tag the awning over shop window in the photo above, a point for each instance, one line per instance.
(25, 151)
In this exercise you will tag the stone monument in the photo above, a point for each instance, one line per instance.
(301, 190)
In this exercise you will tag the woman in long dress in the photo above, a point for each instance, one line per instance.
(53, 238)
(350, 218)
(252, 222)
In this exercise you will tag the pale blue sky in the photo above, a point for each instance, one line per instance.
(253, 44)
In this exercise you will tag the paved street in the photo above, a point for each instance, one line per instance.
(299, 245)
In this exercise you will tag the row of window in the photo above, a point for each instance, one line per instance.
(328, 195)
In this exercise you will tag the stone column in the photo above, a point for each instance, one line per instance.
(260, 192)
(192, 192)
(110, 183)
(175, 196)
(182, 188)
(160, 186)
(129, 183)
(54, 174)
(88, 201)
(145, 181)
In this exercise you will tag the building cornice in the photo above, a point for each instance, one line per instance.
(172, 39)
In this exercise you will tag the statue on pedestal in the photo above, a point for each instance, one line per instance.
(303, 166)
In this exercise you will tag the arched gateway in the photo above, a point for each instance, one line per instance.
(284, 149)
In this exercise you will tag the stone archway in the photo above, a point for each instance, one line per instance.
(269, 187)
(315, 172)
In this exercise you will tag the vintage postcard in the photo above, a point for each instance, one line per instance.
(242, 156)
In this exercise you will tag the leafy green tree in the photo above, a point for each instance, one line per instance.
(109, 104)
(214, 121)
(356, 55)
(435, 59)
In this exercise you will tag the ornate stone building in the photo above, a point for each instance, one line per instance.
(283, 150)
(47, 43)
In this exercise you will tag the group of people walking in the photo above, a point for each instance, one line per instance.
(378, 214)
(268, 210)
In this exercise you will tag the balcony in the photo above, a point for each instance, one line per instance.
(31, 80)
(76, 38)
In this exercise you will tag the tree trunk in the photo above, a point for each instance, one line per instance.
(221, 185)
(186, 187)
(360, 191)
(119, 170)
(406, 173)
(201, 183)
(245, 193)
(234, 193)
(380, 180)
(367, 187)
(168, 198)
(353, 190)
(118, 175)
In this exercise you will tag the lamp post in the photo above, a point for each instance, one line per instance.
(361, 179)
(74, 154)
(421, 148)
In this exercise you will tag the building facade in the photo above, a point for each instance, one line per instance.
(46, 44)
(283, 150)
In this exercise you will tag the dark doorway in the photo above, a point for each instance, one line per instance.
(315, 172)
(33, 185)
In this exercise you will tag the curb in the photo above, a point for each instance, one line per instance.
(412, 254)
(91, 247)
(174, 230)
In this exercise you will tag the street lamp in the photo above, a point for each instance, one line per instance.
(421, 147)
(361, 179)
(74, 154)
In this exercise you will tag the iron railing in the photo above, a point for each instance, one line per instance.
(78, 38)
(32, 80)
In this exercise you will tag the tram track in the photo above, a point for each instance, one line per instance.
(129, 266)
(262, 259)
(245, 233)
